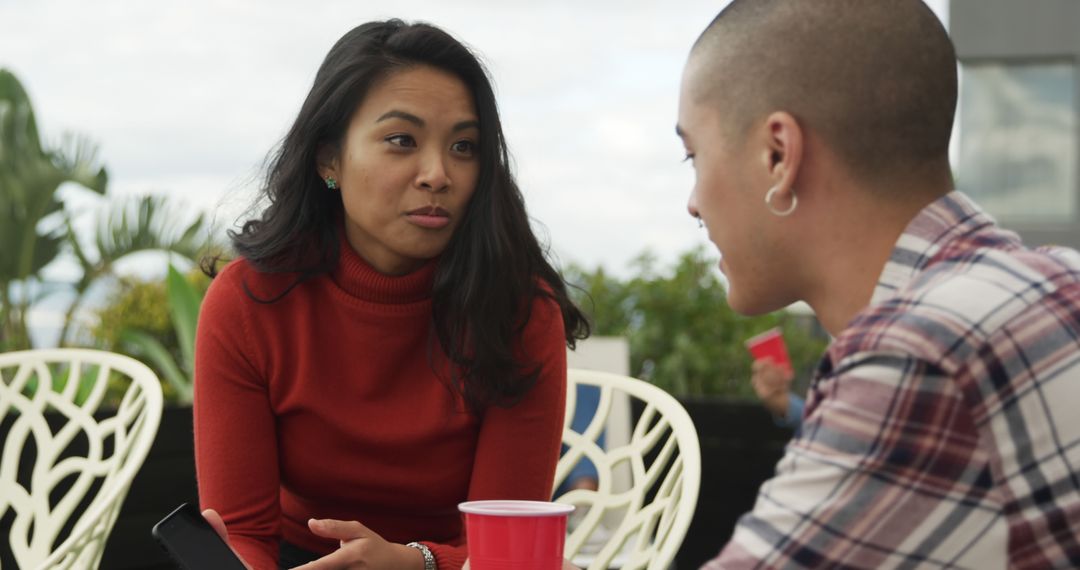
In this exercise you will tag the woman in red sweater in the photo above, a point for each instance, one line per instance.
(391, 340)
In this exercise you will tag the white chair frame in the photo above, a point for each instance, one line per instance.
(132, 429)
(664, 459)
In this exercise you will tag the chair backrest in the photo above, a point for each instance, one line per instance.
(608, 354)
(84, 454)
(653, 511)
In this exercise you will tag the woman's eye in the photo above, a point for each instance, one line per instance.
(465, 147)
(401, 140)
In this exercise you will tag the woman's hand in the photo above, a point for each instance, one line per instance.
(361, 549)
(215, 521)
(772, 383)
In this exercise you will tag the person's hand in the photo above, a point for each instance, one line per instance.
(361, 548)
(586, 483)
(215, 521)
(772, 383)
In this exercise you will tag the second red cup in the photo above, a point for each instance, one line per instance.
(515, 535)
(769, 344)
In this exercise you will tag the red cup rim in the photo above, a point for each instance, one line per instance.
(516, 508)
(763, 336)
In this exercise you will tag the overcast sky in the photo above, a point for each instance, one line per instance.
(187, 98)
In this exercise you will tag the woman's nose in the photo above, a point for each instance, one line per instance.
(433, 176)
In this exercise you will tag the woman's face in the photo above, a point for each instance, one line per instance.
(407, 167)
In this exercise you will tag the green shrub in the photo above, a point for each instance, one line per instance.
(683, 335)
(138, 320)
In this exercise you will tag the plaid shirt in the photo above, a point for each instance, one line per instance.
(942, 427)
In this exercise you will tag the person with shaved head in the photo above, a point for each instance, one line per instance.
(940, 427)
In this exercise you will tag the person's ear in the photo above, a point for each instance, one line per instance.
(326, 161)
(784, 140)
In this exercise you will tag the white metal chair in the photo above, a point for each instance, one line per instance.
(640, 524)
(82, 467)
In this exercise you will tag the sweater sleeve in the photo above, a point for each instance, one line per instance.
(235, 440)
(518, 447)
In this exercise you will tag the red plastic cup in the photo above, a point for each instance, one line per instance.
(515, 535)
(770, 344)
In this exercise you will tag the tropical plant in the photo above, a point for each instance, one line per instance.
(135, 225)
(37, 228)
(30, 175)
(156, 322)
(683, 335)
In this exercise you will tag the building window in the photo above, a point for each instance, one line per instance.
(1017, 140)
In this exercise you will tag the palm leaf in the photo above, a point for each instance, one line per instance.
(149, 346)
(146, 223)
(184, 306)
(18, 129)
(76, 159)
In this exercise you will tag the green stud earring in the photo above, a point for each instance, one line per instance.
(331, 183)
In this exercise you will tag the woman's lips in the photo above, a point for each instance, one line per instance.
(432, 217)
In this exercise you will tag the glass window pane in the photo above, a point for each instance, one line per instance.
(1018, 149)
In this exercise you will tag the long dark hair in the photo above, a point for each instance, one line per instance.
(493, 267)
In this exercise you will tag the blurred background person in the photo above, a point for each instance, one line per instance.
(772, 385)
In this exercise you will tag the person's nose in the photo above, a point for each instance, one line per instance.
(433, 176)
(691, 206)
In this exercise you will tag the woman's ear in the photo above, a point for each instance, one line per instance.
(784, 148)
(326, 161)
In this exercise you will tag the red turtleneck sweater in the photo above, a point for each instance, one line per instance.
(323, 404)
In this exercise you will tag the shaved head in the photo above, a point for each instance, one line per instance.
(874, 79)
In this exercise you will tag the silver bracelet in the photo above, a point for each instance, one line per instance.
(429, 559)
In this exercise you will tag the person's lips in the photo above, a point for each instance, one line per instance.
(432, 217)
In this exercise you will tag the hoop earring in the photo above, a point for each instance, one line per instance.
(331, 183)
(782, 213)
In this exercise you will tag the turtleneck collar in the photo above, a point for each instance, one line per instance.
(359, 279)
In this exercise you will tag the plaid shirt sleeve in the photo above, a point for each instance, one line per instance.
(887, 465)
